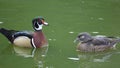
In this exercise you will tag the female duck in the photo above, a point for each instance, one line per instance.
(34, 39)
(88, 43)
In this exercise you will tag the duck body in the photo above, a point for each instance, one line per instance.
(34, 39)
(39, 36)
(19, 38)
(88, 43)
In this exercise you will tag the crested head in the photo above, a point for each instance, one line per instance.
(38, 23)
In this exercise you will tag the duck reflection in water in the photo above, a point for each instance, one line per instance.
(38, 54)
(87, 60)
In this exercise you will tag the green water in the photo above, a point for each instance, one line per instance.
(66, 19)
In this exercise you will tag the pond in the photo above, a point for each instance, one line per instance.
(66, 18)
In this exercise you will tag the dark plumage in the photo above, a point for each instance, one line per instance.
(12, 34)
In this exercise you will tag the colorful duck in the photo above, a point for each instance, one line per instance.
(34, 39)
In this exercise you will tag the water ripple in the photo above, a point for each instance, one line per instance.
(1, 22)
(73, 58)
(71, 32)
(95, 32)
(51, 39)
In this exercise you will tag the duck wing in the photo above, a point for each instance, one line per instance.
(28, 34)
(12, 34)
(103, 41)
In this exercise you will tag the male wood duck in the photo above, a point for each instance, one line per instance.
(88, 43)
(34, 39)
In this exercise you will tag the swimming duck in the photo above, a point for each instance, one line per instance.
(88, 43)
(34, 39)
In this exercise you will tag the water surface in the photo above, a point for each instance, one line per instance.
(66, 19)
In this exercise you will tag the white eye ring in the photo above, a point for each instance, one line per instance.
(82, 37)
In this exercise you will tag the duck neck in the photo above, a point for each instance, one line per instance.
(39, 39)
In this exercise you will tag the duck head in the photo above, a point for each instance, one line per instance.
(38, 23)
(83, 37)
(39, 40)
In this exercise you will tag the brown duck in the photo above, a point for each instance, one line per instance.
(88, 43)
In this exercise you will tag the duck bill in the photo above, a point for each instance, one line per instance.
(76, 40)
(45, 23)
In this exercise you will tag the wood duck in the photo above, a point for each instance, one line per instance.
(88, 43)
(34, 39)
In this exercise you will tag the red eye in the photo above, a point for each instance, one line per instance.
(40, 21)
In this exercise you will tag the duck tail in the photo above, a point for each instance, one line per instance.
(118, 40)
(7, 33)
